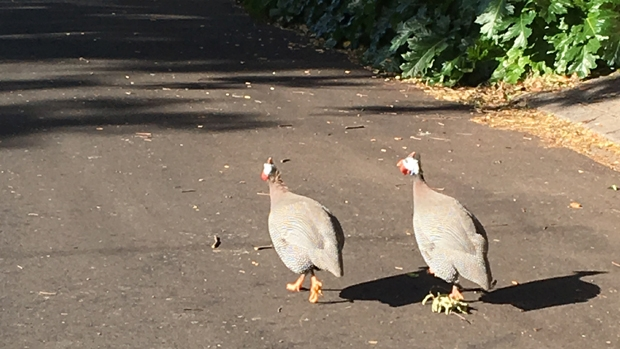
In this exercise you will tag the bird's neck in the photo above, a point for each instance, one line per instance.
(276, 185)
(419, 183)
(419, 178)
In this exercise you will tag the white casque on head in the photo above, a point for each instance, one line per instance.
(412, 165)
(267, 169)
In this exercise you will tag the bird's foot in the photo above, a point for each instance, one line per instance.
(315, 289)
(430, 271)
(296, 286)
(456, 294)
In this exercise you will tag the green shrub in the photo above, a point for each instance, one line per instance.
(463, 41)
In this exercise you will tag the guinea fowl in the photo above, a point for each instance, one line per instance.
(450, 238)
(305, 235)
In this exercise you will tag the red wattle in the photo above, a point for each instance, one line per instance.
(404, 170)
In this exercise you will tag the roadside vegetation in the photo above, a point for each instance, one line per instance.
(484, 53)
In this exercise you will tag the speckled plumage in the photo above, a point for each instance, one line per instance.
(450, 238)
(305, 235)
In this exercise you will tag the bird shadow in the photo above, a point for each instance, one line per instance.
(408, 288)
(546, 293)
(396, 291)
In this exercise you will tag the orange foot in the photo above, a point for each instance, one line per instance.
(296, 286)
(456, 294)
(430, 271)
(315, 289)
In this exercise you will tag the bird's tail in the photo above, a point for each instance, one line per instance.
(330, 259)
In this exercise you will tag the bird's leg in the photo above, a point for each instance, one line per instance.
(456, 294)
(296, 286)
(315, 289)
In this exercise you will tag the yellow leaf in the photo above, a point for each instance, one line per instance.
(575, 204)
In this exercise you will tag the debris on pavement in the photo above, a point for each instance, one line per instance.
(217, 242)
(354, 127)
(264, 247)
(575, 205)
(147, 136)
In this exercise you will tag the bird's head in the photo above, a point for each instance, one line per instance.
(410, 165)
(269, 170)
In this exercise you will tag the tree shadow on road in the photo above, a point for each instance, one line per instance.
(69, 64)
(546, 293)
(374, 110)
(594, 91)
(84, 117)
(397, 290)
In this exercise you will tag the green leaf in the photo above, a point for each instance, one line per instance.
(512, 67)
(406, 30)
(422, 55)
(585, 59)
(492, 19)
(550, 10)
(610, 28)
(520, 30)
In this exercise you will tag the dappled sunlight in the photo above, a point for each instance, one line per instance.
(76, 65)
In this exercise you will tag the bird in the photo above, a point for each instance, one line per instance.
(305, 234)
(450, 238)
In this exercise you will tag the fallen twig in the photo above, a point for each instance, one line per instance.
(145, 135)
(353, 127)
(265, 247)
(616, 264)
(217, 242)
(462, 318)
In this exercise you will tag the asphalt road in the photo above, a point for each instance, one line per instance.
(133, 132)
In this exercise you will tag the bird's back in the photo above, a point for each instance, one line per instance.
(305, 234)
(449, 236)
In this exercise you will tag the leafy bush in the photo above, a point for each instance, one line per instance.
(463, 41)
